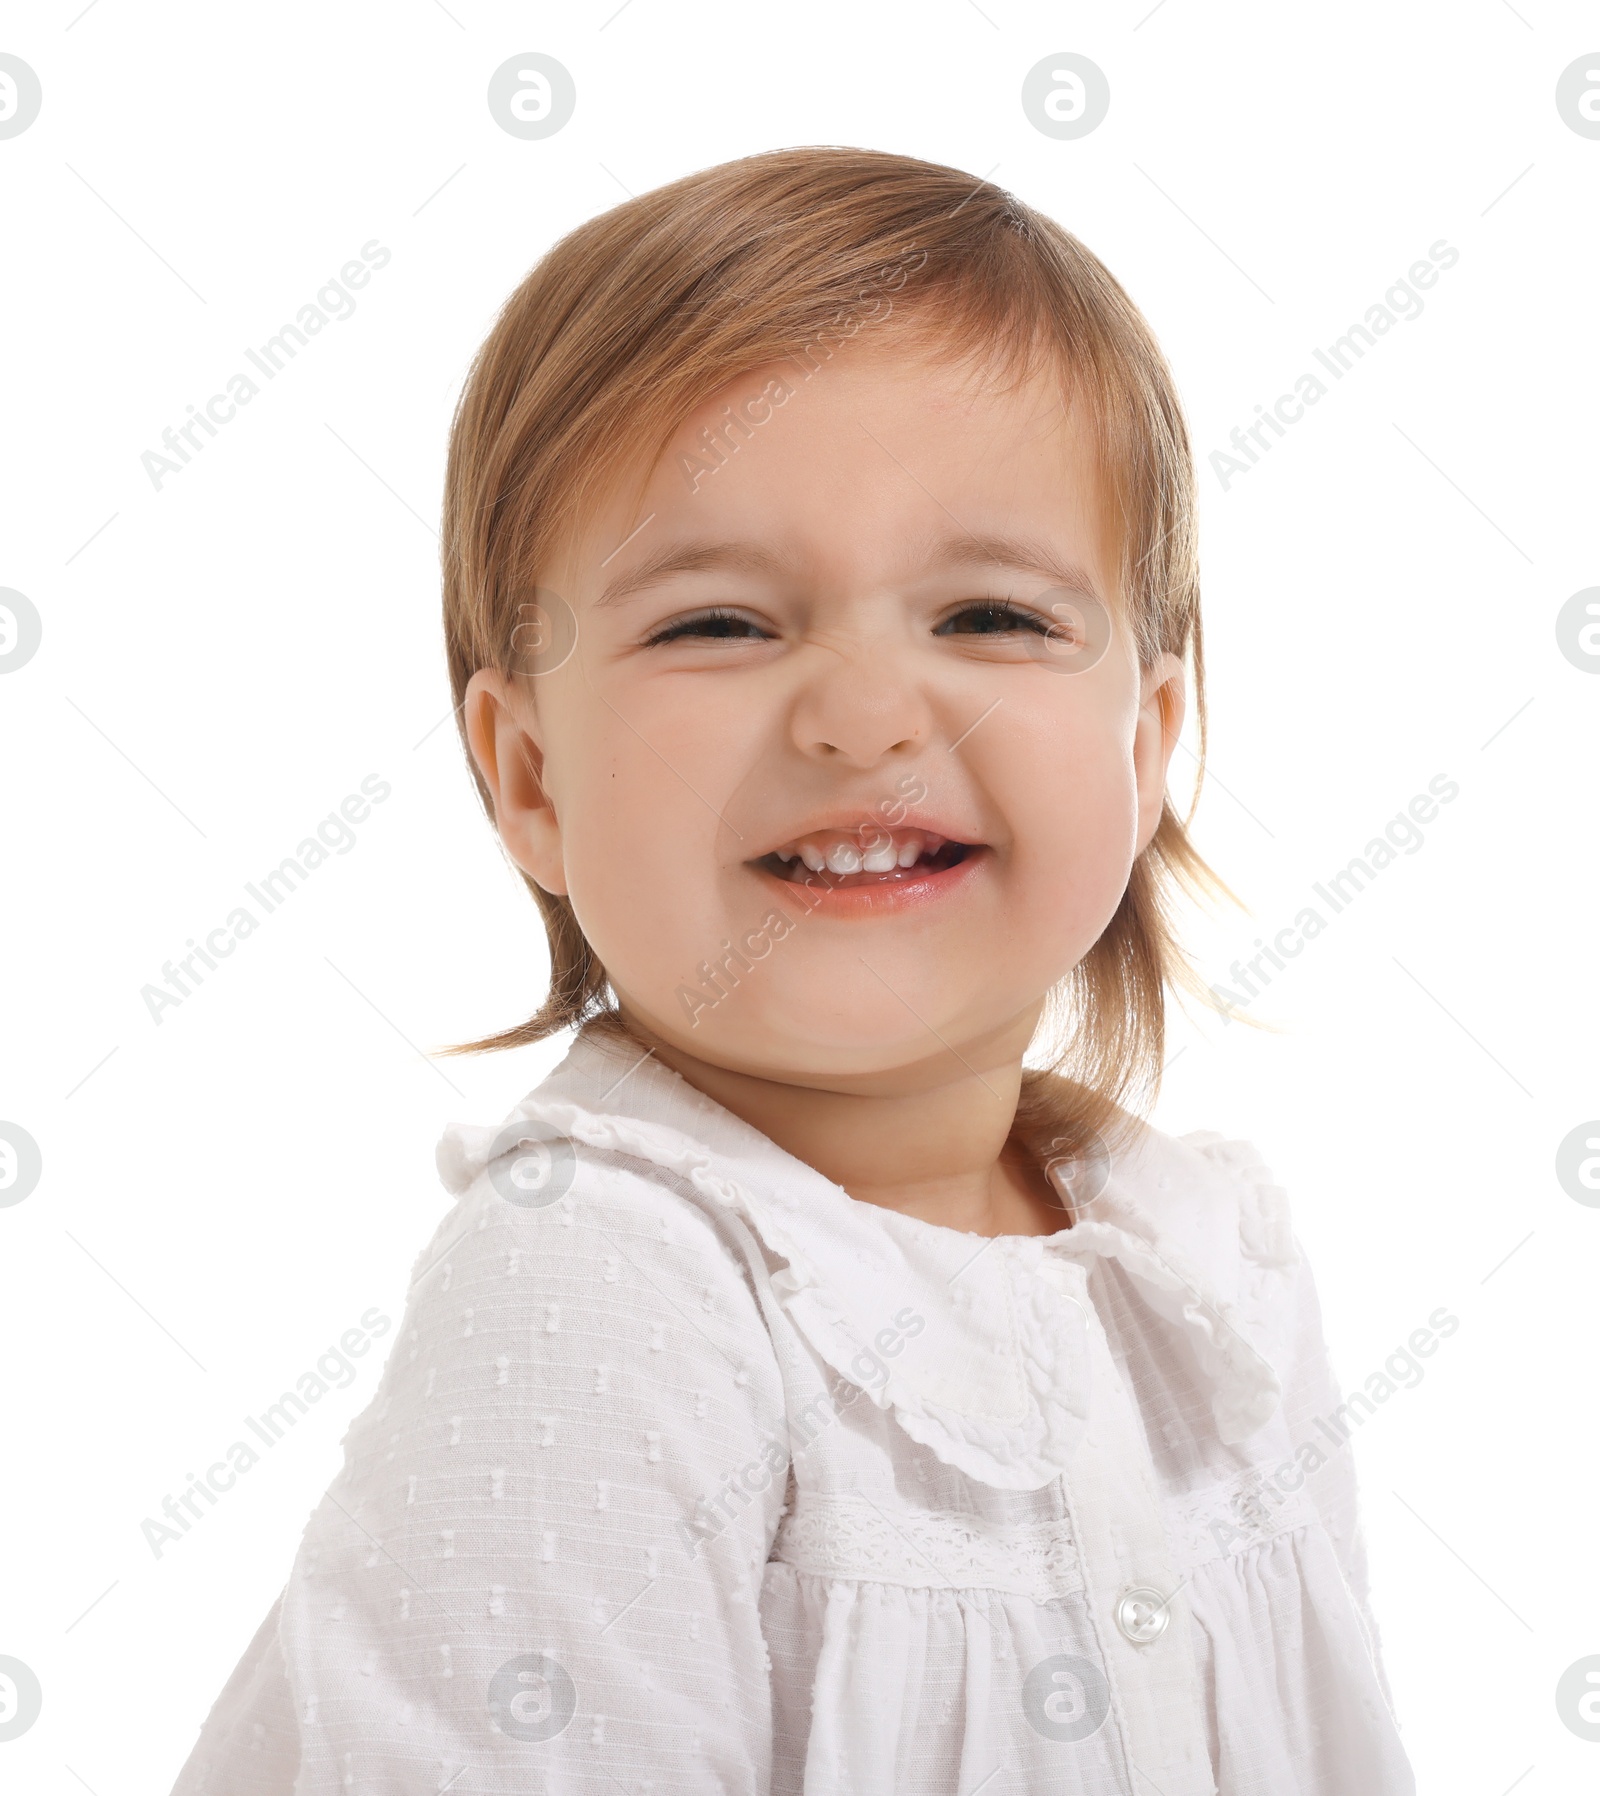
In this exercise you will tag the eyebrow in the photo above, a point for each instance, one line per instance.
(1019, 554)
(692, 558)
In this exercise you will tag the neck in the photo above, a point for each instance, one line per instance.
(931, 1139)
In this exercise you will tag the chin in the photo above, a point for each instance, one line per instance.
(870, 1033)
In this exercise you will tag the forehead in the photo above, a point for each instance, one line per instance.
(883, 461)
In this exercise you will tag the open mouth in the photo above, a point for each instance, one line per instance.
(867, 857)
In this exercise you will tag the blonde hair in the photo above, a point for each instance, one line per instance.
(636, 317)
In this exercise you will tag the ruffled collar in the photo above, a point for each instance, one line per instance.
(978, 1345)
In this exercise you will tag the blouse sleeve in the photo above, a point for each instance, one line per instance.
(541, 1563)
(1282, 1298)
(1315, 1409)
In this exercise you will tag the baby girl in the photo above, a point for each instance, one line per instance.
(805, 1394)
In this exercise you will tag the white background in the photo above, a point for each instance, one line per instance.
(224, 659)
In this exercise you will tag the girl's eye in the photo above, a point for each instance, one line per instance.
(994, 617)
(716, 624)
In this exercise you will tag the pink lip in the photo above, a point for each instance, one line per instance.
(856, 895)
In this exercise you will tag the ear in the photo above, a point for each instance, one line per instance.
(1162, 703)
(503, 733)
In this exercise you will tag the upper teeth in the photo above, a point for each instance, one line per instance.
(862, 851)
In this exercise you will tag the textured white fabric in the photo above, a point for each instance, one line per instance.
(756, 1488)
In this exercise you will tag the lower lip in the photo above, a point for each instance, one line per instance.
(878, 896)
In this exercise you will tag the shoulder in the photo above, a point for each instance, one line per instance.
(1214, 1198)
(1216, 1215)
(1259, 1204)
(580, 1245)
(599, 1304)
(524, 1179)
(1272, 1288)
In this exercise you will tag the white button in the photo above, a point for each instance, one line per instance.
(1142, 1614)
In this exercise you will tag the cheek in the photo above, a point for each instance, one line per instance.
(641, 842)
(1074, 841)
(1097, 819)
(1070, 793)
(1078, 857)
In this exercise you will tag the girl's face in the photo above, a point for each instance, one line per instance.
(853, 754)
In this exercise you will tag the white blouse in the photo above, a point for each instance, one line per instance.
(690, 1473)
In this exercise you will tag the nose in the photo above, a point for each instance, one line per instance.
(860, 705)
